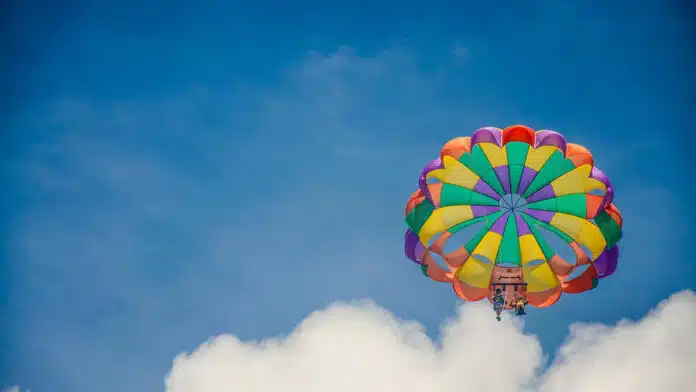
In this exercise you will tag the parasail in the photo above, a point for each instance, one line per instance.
(517, 186)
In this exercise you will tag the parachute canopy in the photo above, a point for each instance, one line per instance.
(517, 186)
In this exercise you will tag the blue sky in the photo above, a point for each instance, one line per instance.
(176, 173)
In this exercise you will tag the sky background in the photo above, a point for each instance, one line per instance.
(174, 173)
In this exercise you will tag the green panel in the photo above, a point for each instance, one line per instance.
(556, 166)
(417, 217)
(546, 205)
(478, 199)
(424, 269)
(516, 154)
(510, 244)
(574, 204)
(609, 228)
(545, 248)
(473, 243)
(478, 163)
(453, 195)
(595, 282)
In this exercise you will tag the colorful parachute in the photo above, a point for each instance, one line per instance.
(520, 186)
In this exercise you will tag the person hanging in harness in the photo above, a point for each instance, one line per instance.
(498, 303)
(519, 306)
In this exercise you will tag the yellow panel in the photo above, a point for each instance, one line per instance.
(496, 156)
(488, 247)
(530, 249)
(537, 157)
(539, 278)
(592, 184)
(450, 163)
(457, 177)
(455, 173)
(582, 231)
(572, 182)
(591, 237)
(442, 219)
(569, 224)
(475, 273)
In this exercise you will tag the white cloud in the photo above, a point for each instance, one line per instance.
(14, 388)
(361, 347)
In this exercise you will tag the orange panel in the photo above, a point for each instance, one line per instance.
(582, 283)
(544, 299)
(456, 147)
(468, 293)
(580, 155)
(593, 204)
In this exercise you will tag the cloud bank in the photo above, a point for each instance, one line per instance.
(351, 347)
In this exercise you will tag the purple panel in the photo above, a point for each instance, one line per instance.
(606, 262)
(419, 252)
(410, 241)
(423, 182)
(487, 134)
(413, 248)
(544, 216)
(550, 138)
(546, 192)
(480, 211)
(499, 225)
(522, 226)
(527, 177)
(503, 173)
(485, 189)
(600, 176)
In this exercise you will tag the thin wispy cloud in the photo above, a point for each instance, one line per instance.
(146, 214)
(460, 52)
